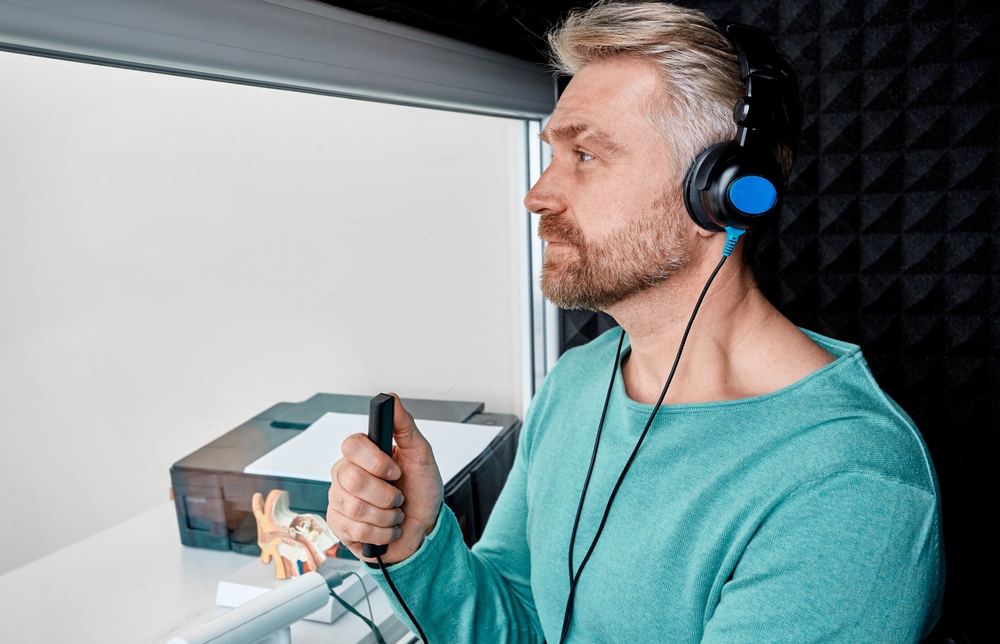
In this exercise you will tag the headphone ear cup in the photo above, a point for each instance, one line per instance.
(698, 182)
(729, 186)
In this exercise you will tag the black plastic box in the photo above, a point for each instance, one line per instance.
(212, 493)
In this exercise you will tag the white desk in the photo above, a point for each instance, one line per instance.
(133, 583)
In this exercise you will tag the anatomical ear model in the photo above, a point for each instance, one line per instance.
(297, 543)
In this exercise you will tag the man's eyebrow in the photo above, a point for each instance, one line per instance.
(581, 131)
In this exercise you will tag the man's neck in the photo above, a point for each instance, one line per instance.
(739, 345)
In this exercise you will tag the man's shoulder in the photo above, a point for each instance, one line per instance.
(848, 421)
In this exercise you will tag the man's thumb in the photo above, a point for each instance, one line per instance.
(404, 430)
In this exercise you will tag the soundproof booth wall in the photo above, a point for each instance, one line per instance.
(178, 255)
(890, 234)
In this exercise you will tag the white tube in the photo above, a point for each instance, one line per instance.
(260, 617)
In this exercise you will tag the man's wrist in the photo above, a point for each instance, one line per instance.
(419, 537)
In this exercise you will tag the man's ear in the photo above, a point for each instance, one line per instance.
(704, 232)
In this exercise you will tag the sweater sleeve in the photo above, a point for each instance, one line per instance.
(478, 595)
(853, 557)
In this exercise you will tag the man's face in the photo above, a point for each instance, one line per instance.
(611, 208)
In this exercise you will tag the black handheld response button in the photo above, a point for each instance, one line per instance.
(380, 422)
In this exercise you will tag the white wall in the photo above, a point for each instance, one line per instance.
(177, 255)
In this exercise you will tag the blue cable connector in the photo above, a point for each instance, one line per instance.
(732, 236)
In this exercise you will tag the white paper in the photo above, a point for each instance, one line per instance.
(312, 453)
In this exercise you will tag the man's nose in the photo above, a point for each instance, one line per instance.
(545, 197)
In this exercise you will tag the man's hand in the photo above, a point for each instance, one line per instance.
(364, 508)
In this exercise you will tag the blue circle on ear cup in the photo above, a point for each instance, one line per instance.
(753, 195)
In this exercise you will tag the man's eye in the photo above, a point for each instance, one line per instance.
(583, 156)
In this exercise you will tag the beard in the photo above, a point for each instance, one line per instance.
(637, 256)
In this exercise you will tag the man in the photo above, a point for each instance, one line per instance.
(779, 494)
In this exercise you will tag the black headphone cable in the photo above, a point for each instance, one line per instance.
(574, 579)
(420, 631)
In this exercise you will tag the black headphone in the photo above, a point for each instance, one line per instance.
(738, 184)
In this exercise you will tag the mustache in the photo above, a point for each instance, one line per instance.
(560, 228)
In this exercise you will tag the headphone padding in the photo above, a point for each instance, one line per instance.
(694, 198)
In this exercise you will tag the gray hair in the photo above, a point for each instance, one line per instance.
(698, 66)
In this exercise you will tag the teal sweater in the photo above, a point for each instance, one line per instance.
(810, 514)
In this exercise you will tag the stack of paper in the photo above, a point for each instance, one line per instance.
(311, 454)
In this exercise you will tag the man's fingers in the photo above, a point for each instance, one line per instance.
(359, 531)
(365, 508)
(360, 451)
(358, 510)
(368, 488)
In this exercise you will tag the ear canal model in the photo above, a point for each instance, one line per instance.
(296, 543)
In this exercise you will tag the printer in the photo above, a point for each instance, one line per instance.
(212, 492)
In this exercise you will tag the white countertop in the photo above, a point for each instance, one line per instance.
(132, 583)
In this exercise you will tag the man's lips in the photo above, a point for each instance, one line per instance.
(559, 249)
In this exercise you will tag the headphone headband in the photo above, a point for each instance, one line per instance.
(755, 51)
(770, 83)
